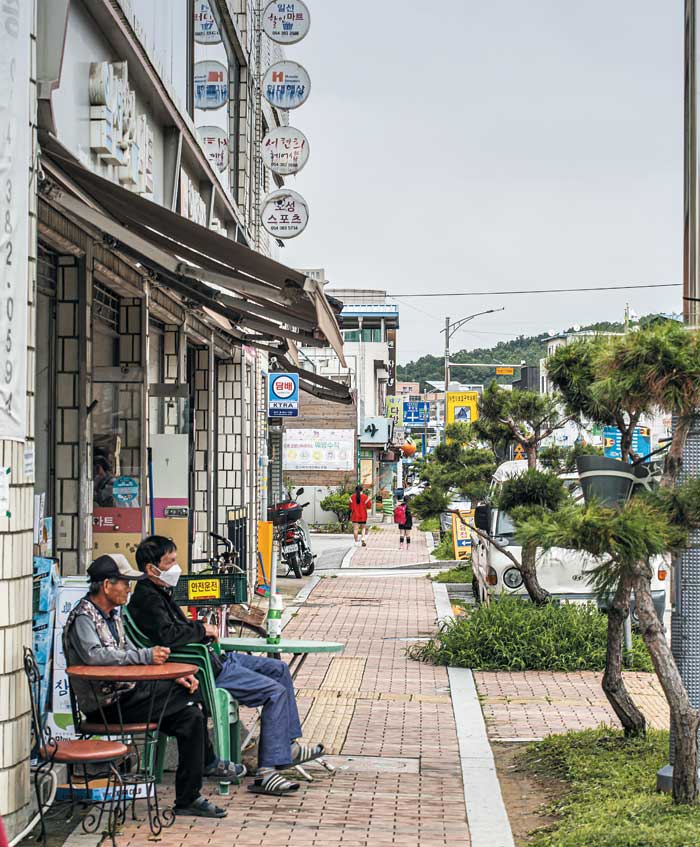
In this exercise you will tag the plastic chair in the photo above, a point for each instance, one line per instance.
(221, 706)
(75, 754)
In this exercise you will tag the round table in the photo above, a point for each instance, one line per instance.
(144, 772)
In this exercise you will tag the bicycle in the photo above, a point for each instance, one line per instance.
(233, 620)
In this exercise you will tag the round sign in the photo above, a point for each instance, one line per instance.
(215, 143)
(285, 213)
(285, 150)
(210, 85)
(205, 29)
(286, 23)
(125, 491)
(283, 387)
(286, 85)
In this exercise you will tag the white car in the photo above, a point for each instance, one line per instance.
(564, 573)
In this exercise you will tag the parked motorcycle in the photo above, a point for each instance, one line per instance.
(293, 536)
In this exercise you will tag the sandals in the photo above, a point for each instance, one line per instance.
(307, 753)
(274, 785)
(223, 770)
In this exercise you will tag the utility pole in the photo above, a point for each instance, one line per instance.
(685, 615)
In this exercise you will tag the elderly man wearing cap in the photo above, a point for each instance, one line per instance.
(94, 635)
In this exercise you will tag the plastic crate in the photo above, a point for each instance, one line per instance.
(211, 589)
(284, 512)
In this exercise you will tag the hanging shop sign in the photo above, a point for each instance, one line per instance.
(206, 30)
(286, 23)
(15, 144)
(285, 213)
(391, 344)
(283, 395)
(210, 85)
(285, 150)
(118, 135)
(286, 85)
(394, 409)
(215, 143)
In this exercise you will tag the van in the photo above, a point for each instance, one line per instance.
(563, 572)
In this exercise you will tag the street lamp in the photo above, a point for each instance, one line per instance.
(449, 330)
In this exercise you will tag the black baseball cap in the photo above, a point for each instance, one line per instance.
(113, 566)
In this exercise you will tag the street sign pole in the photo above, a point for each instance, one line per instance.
(685, 615)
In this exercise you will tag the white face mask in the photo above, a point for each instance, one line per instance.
(171, 576)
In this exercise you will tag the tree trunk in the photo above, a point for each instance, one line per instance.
(674, 457)
(684, 718)
(531, 453)
(528, 569)
(632, 720)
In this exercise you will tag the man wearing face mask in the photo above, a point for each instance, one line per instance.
(252, 680)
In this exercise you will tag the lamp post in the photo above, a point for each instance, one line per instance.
(449, 330)
(685, 615)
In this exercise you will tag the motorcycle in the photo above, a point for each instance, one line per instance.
(293, 536)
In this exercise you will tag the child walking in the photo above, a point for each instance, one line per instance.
(404, 518)
(359, 504)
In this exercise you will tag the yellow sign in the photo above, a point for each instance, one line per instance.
(462, 406)
(204, 589)
(262, 583)
(461, 537)
(505, 371)
(394, 409)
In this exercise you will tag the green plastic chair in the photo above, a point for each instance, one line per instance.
(221, 705)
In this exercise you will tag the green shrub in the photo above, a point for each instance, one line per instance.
(338, 502)
(430, 525)
(513, 634)
(462, 573)
(445, 550)
(610, 798)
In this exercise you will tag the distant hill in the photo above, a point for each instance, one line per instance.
(530, 348)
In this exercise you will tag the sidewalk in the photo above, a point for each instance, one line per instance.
(529, 705)
(388, 720)
(383, 548)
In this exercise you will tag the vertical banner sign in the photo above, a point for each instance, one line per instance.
(394, 409)
(283, 397)
(15, 145)
(461, 537)
(391, 344)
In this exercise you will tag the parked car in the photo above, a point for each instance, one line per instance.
(565, 573)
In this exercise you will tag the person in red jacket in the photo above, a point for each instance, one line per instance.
(359, 503)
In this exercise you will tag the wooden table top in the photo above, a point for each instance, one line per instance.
(131, 673)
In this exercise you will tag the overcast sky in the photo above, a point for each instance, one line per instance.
(469, 145)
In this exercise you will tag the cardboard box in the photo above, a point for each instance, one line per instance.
(97, 790)
(42, 636)
(61, 725)
(60, 696)
(71, 590)
(45, 687)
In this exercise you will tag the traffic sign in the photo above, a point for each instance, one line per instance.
(283, 395)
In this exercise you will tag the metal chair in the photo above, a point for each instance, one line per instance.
(79, 753)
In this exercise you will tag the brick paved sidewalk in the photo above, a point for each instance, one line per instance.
(383, 548)
(536, 703)
(389, 720)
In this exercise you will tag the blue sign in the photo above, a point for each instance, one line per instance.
(283, 395)
(612, 442)
(416, 413)
(125, 491)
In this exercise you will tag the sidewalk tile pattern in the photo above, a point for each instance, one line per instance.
(375, 702)
(384, 549)
(533, 704)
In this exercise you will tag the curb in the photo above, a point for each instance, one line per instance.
(486, 813)
(347, 558)
(302, 595)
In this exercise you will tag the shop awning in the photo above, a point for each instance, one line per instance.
(255, 293)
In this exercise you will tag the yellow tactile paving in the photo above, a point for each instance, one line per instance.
(328, 721)
(344, 674)
(376, 695)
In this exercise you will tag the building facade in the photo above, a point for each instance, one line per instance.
(152, 321)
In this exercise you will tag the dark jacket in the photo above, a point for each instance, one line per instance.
(159, 617)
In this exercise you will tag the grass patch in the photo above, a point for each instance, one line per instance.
(513, 634)
(462, 573)
(445, 550)
(429, 525)
(611, 799)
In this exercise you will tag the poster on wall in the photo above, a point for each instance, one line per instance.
(205, 29)
(210, 85)
(318, 450)
(15, 21)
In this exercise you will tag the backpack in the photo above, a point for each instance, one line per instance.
(400, 514)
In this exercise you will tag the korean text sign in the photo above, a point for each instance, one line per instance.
(283, 395)
(462, 406)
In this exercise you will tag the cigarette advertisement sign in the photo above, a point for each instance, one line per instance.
(462, 406)
(283, 396)
(319, 450)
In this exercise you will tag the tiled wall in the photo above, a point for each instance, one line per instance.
(16, 566)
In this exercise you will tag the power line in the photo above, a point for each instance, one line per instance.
(537, 291)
